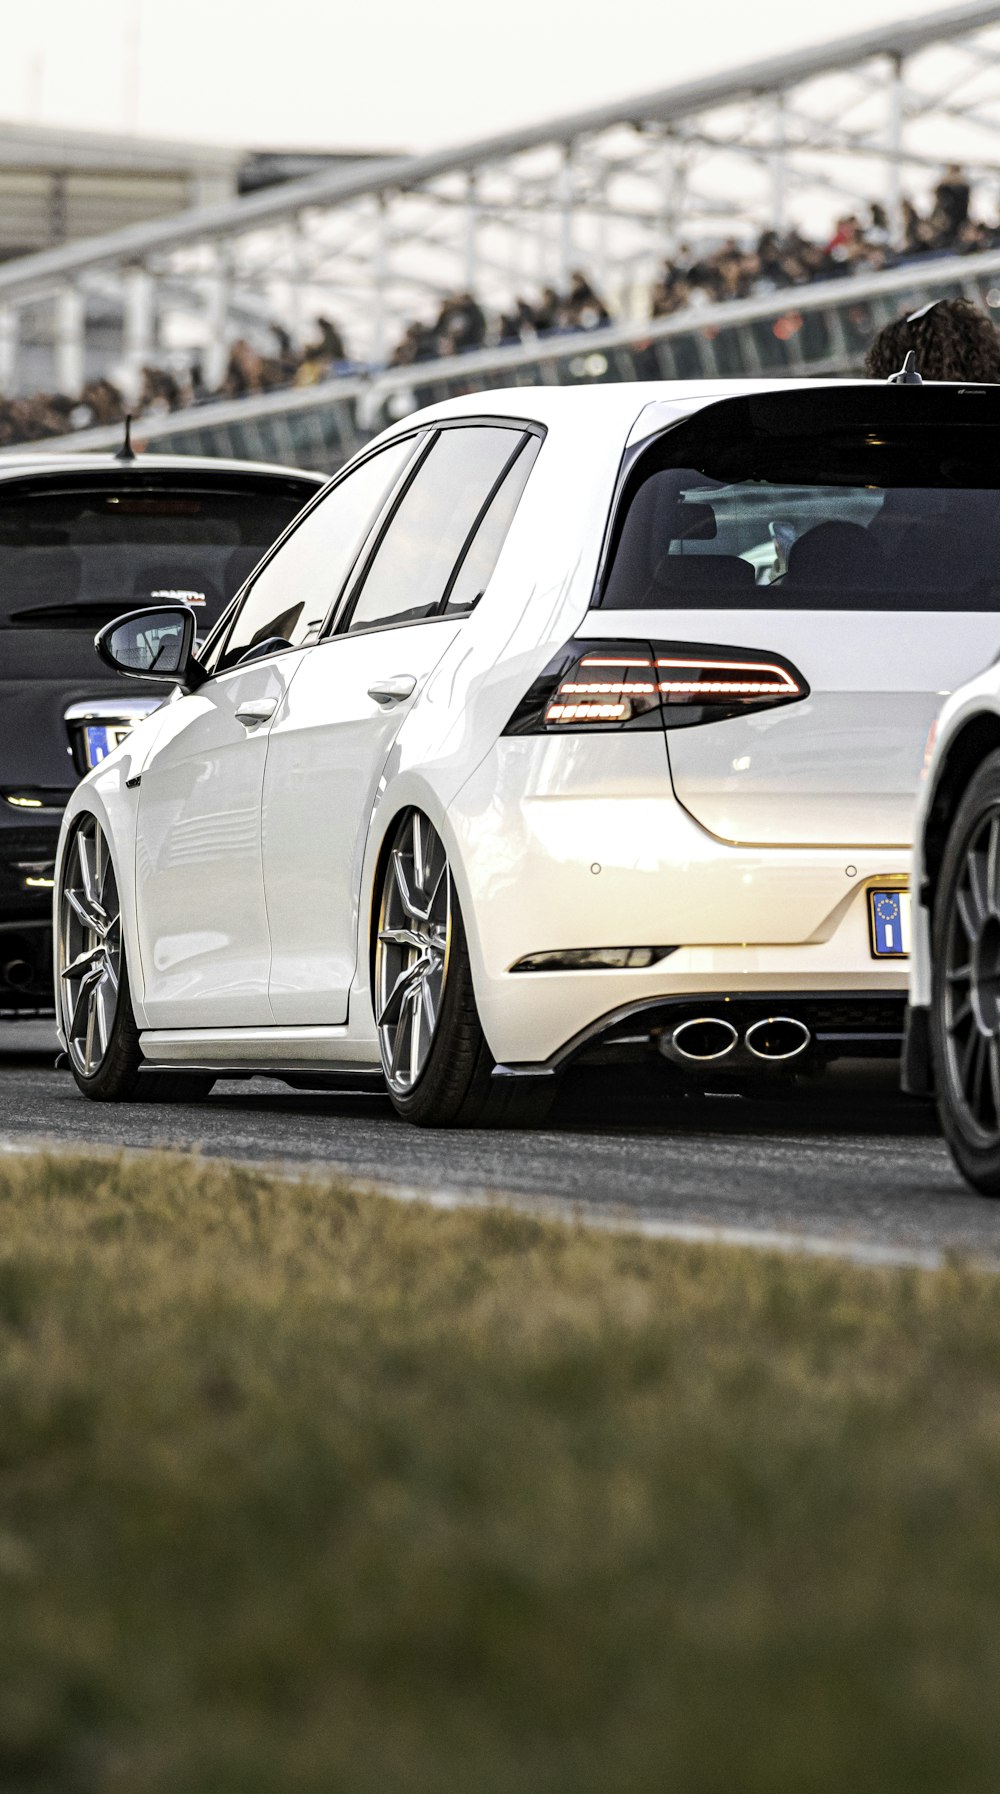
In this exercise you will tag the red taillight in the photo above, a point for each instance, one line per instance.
(596, 685)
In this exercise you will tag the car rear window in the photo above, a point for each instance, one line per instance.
(78, 554)
(868, 499)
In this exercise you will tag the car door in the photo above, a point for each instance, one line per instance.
(203, 927)
(328, 750)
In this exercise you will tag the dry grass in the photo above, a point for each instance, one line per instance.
(306, 1490)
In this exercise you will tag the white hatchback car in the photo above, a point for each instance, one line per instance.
(565, 726)
(952, 1048)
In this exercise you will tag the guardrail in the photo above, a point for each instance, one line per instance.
(821, 330)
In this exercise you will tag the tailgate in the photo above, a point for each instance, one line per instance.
(842, 768)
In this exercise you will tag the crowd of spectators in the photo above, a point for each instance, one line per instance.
(688, 280)
(862, 245)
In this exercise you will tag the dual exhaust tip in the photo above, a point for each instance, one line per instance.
(710, 1039)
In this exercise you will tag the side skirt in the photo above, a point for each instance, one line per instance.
(258, 1050)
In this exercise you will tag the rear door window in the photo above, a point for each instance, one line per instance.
(475, 570)
(898, 509)
(74, 555)
(410, 573)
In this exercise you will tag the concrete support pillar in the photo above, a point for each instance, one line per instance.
(9, 330)
(217, 295)
(674, 192)
(894, 144)
(565, 192)
(471, 232)
(603, 266)
(380, 280)
(70, 326)
(293, 316)
(139, 318)
(779, 180)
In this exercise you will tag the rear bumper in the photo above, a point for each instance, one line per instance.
(848, 1025)
(561, 845)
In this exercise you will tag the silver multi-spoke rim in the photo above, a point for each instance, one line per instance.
(971, 984)
(411, 953)
(90, 948)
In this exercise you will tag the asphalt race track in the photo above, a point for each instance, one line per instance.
(849, 1160)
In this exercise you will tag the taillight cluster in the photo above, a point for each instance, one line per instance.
(643, 685)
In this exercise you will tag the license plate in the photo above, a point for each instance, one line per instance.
(102, 739)
(889, 916)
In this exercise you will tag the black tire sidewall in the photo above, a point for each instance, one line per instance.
(454, 1088)
(979, 1163)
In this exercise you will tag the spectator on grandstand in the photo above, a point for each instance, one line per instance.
(582, 308)
(951, 204)
(951, 339)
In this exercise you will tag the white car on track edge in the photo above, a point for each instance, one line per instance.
(565, 726)
(952, 1048)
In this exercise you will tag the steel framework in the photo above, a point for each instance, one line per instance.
(791, 140)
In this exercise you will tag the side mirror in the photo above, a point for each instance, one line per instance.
(152, 644)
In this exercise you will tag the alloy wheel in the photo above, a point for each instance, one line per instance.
(971, 984)
(411, 952)
(90, 948)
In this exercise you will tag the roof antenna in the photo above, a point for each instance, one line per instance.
(127, 452)
(907, 375)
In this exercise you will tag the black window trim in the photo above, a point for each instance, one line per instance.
(339, 624)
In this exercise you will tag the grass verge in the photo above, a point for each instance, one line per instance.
(302, 1489)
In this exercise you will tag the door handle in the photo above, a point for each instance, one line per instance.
(394, 690)
(256, 711)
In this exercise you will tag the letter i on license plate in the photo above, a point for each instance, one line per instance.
(889, 917)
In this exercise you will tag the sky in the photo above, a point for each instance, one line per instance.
(376, 74)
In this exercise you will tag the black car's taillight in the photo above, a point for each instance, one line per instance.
(605, 685)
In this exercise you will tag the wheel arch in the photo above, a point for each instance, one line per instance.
(966, 751)
(377, 858)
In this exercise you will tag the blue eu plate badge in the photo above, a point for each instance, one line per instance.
(889, 913)
(102, 739)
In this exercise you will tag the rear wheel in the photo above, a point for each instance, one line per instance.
(102, 1040)
(965, 1001)
(437, 1065)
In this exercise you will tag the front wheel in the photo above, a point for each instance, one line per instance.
(102, 1040)
(437, 1065)
(965, 998)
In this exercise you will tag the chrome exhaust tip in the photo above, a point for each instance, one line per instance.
(700, 1041)
(18, 974)
(777, 1038)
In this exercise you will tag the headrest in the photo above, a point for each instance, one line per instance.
(834, 554)
(701, 572)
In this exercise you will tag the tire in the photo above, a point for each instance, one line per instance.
(438, 1068)
(965, 986)
(93, 994)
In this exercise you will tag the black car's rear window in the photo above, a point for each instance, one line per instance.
(870, 499)
(74, 555)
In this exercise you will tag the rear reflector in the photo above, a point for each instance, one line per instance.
(592, 959)
(620, 685)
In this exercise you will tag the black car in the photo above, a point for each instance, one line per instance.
(82, 539)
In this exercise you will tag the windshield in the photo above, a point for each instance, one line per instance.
(875, 517)
(77, 555)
